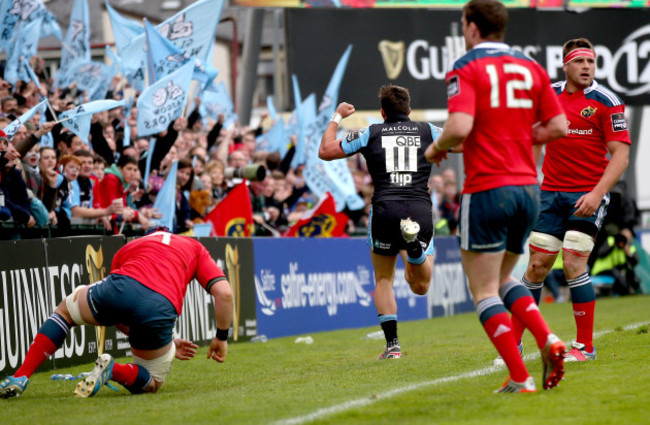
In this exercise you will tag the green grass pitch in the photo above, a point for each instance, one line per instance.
(444, 377)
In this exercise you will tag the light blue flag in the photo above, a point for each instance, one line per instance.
(116, 62)
(11, 129)
(92, 77)
(163, 102)
(124, 29)
(30, 74)
(149, 153)
(50, 25)
(274, 140)
(307, 122)
(330, 99)
(333, 176)
(76, 45)
(192, 30)
(8, 19)
(299, 156)
(47, 140)
(216, 100)
(166, 58)
(22, 47)
(78, 119)
(14, 14)
(271, 107)
(165, 201)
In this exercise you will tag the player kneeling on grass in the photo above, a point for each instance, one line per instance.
(142, 296)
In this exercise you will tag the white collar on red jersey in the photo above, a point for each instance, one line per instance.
(592, 87)
(491, 45)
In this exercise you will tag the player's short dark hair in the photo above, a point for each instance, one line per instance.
(83, 153)
(489, 16)
(126, 160)
(576, 43)
(394, 99)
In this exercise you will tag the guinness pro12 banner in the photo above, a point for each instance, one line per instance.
(408, 47)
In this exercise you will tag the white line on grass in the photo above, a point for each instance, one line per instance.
(365, 401)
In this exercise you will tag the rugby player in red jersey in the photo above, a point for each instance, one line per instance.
(142, 296)
(500, 103)
(575, 192)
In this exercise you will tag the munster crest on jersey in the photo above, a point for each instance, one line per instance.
(588, 112)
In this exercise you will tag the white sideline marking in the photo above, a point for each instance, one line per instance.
(365, 401)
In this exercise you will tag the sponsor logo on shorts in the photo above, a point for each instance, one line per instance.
(453, 86)
(588, 112)
(618, 122)
(382, 245)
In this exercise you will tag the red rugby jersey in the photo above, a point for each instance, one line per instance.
(506, 92)
(576, 163)
(166, 263)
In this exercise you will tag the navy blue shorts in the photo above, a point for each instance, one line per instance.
(557, 211)
(120, 299)
(384, 234)
(498, 219)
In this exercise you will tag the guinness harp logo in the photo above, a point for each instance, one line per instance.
(232, 267)
(95, 264)
(96, 270)
(392, 53)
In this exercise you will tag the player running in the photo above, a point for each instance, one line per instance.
(401, 220)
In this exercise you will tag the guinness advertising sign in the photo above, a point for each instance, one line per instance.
(412, 48)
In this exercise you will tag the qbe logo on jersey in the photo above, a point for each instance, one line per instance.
(401, 153)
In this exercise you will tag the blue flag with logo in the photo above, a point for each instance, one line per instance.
(22, 47)
(15, 14)
(166, 58)
(163, 102)
(13, 126)
(92, 77)
(192, 30)
(165, 201)
(330, 176)
(216, 100)
(124, 29)
(76, 45)
(78, 119)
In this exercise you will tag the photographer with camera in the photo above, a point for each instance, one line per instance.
(617, 258)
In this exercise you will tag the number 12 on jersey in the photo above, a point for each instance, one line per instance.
(518, 78)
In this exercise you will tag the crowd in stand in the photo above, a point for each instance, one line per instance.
(102, 181)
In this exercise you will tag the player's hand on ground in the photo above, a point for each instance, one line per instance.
(185, 349)
(345, 109)
(587, 205)
(218, 350)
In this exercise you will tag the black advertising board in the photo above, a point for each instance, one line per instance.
(25, 299)
(408, 47)
(82, 261)
(235, 257)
